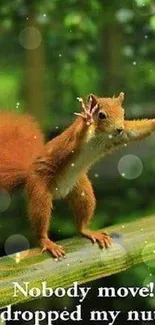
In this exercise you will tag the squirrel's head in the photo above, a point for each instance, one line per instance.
(109, 117)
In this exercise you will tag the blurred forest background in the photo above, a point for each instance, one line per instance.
(52, 52)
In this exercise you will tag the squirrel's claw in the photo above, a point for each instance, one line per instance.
(79, 114)
(56, 250)
(81, 101)
(94, 109)
(88, 111)
(103, 239)
(90, 103)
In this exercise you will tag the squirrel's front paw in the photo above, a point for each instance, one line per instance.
(56, 250)
(103, 239)
(88, 110)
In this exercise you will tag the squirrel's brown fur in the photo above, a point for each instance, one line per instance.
(59, 168)
(21, 141)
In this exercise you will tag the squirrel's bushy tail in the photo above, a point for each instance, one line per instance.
(21, 141)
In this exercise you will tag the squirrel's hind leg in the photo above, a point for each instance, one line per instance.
(40, 205)
(82, 201)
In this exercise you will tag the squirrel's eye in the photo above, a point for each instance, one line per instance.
(101, 116)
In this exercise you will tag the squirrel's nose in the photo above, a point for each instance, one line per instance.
(119, 130)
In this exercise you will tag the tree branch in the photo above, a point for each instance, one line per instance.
(84, 261)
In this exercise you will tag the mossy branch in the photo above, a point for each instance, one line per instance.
(84, 262)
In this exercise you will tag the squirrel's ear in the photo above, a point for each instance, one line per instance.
(120, 98)
(94, 99)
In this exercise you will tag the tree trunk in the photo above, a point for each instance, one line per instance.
(35, 72)
(112, 39)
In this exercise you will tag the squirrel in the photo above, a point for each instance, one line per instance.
(58, 169)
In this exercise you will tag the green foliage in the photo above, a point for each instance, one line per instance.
(76, 47)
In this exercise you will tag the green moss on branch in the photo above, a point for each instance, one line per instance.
(84, 261)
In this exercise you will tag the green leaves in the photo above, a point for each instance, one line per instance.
(87, 46)
(72, 19)
(142, 3)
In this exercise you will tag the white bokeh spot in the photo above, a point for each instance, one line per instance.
(150, 278)
(30, 38)
(151, 298)
(4, 200)
(15, 244)
(148, 250)
(144, 7)
(130, 166)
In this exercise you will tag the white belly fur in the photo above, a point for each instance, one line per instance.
(90, 152)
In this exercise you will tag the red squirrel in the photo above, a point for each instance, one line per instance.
(58, 169)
